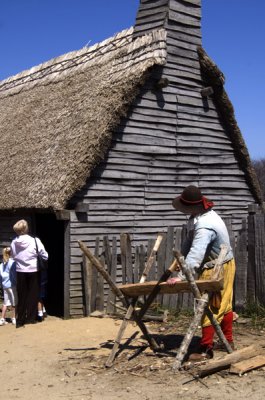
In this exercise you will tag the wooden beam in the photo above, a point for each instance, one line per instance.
(247, 365)
(224, 363)
(142, 289)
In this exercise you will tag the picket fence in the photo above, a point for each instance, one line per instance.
(125, 264)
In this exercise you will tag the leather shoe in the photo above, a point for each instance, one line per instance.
(203, 353)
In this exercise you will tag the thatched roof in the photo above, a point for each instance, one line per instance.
(56, 119)
(215, 78)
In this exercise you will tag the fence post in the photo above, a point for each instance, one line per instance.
(251, 269)
(241, 257)
(260, 258)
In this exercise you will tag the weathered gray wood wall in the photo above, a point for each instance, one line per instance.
(172, 137)
(7, 220)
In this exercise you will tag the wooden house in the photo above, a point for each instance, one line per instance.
(99, 141)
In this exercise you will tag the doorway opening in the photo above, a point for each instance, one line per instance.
(51, 233)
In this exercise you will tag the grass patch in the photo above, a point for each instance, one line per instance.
(256, 312)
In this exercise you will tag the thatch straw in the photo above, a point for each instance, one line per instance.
(56, 119)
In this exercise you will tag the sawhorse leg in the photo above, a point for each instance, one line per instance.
(131, 311)
(138, 316)
(203, 301)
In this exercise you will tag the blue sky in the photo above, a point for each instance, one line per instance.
(233, 32)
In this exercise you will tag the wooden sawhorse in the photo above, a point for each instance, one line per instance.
(128, 295)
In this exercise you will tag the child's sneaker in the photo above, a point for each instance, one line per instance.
(3, 321)
(14, 321)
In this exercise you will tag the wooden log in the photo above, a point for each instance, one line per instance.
(131, 307)
(201, 307)
(151, 258)
(117, 292)
(202, 304)
(244, 366)
(156, 289)
(213, 366)
(142, 289)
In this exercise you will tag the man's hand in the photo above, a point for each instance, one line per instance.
(173, 281)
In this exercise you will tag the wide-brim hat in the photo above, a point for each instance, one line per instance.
(192, 201)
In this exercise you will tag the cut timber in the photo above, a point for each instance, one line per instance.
(217, 365)
(141, 289)
(247, 365)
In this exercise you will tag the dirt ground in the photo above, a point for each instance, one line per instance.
(64, 359)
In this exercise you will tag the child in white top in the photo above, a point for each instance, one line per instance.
(8, 282)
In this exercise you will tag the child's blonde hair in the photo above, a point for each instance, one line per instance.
(21, 227)
(6, 254)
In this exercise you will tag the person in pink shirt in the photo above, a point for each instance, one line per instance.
(24, 252)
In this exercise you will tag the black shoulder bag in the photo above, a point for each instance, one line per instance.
(41, 264)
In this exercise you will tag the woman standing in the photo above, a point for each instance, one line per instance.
(24, 252)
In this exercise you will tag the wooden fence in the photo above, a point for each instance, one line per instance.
(125, 264)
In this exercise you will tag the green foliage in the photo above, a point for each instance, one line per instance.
(256, 312)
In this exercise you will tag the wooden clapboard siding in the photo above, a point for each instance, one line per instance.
(170, 138)
(130, 270)
(7, 220)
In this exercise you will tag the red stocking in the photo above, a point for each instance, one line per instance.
(207, 336)
(227, 326)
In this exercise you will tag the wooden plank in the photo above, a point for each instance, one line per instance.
(149, 130)
(247, 365)
(140, 30)
(100, 288)
(126, 257)
(141, 289)
(143, 149)
(136, 266)
(182, 75)
(193, 2)
(143, 120)
(87, 279)
(150, 17)
(184, 37)
(142, 256)
(185, 8)
(251, 271)
(145, 139)
(111, 298)
(152, 272)
(107, 253)
(169, 258)
(260, 258)
(185, 53)
(241, 258)
(213, 366)
(152, 5)
(184, 45)
(94, 279)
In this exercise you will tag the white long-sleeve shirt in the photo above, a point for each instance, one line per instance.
(209, 232)
(23, 249)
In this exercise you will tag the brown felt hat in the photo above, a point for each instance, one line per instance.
(191, 201)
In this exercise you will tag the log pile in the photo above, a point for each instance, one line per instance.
(238, 362)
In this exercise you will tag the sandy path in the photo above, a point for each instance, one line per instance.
(64, 359)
